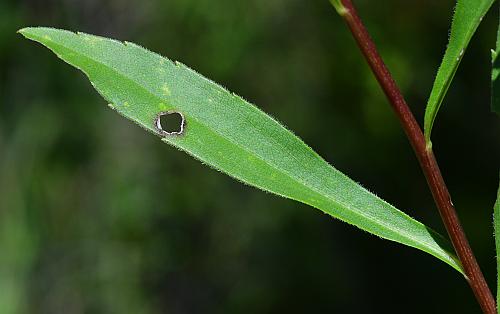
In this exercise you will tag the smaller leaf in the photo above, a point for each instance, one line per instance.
(468, 16)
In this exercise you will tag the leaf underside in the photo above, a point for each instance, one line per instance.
(231, 135)
(468, 15)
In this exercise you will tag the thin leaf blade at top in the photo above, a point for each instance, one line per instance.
(468, 15)
(231, 135)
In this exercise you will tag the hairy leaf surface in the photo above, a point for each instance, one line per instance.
(467, 17)
(231, 135)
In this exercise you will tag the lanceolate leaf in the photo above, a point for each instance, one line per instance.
(495, 80)
(496, 223)
(468, 16)
(231, 135)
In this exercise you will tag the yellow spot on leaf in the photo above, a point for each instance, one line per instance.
(165, 90)
(162, 106)
(92, 40)
(126, 104)
(47, 37)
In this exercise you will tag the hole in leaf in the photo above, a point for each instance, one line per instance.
(170, 123)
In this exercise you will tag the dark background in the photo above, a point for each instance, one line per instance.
(98, 216)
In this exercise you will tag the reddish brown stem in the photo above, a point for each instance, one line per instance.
(425, 157)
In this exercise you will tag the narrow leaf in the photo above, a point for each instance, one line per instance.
(495, 82)
(467, 17)
(496, 223)
(229, 134)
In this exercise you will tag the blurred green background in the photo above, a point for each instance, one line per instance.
(98, 216)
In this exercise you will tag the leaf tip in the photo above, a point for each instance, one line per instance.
(24, 31)
(32, 32)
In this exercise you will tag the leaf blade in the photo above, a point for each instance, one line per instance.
(468, 15)
(231, 135)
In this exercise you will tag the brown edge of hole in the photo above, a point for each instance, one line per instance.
(158, 127)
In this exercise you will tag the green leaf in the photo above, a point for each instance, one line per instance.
(496, 223)
(468, 16)
(495, 82)
(231, 135)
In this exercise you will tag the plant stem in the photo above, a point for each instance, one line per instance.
(425, 157)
